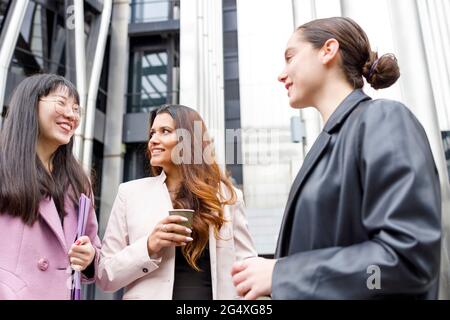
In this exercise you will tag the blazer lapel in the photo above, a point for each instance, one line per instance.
(70, 222)
(50, 215)
(338, 117)
(213, 261)
(310, 160)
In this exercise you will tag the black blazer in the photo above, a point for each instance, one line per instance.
(367, 195)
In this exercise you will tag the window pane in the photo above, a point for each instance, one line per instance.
(150, 81)
(149, 10)
(36, 36)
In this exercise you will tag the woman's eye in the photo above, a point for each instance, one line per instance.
(60, 103)
(166, 131)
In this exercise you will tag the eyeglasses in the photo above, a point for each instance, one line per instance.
(62, 108)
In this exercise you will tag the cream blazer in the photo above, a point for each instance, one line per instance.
(124, 259)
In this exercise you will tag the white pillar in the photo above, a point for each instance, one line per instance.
(436, 39)
(117, 84)
(80, 65)
(88, 142)
(201, 66)
(189, 56)
(418, 95)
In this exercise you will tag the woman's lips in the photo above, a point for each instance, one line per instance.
(65, 126)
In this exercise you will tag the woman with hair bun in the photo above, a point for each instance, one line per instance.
(362, 219)
(147, 251)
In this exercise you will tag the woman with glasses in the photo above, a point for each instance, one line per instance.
(40, 187)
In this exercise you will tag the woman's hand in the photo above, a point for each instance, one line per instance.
(81, 254)
(253, 277)
(168, 233)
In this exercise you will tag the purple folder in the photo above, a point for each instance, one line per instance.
(83, 212)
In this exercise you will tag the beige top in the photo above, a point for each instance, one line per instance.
(124, 260)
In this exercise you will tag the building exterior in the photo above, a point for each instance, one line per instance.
(222, 58)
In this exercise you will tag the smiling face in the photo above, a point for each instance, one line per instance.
(163, 139)
(303, 73)
(56, 118)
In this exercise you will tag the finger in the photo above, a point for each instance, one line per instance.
(168, 243)
(251, 295)
(85, 249)
(84, 256)
(239, 277)
(176, 228)
(159, 227)
(243, 288)
(174, 219)
(82, 240)
(174, 237)
(77, 267)
(77, 261)
(238, 267)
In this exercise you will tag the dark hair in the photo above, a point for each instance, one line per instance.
(201, 183)
(24, 181)
(358, 59)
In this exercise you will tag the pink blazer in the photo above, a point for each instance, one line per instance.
(124, 259)
(34, 263)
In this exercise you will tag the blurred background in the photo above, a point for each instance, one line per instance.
(222, 58)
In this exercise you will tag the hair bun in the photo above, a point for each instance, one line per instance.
(381, 72)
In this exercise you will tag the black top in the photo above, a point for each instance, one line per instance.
(190, 284)
(366, 202)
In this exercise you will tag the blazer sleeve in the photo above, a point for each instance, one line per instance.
(90, 274)
(400, 212)
(243, 241)
(122, 262)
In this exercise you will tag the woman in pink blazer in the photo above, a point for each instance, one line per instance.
(40, 184)
(148, 252)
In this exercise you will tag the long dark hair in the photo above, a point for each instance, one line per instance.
(24, 181)
(358, 59)
(201, 182)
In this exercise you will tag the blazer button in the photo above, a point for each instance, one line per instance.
(43, 264)
(145, 270)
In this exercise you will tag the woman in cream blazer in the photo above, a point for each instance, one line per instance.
(138, 251)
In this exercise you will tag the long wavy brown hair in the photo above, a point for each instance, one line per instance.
(205, 188)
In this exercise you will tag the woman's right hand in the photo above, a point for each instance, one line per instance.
(168, 233)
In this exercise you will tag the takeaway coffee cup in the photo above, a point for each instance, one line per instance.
(187, 213)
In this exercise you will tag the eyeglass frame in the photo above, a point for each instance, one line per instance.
(77, 114)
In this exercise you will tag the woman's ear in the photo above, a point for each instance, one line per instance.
(329, 51)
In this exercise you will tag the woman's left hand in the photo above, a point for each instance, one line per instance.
(81, 254)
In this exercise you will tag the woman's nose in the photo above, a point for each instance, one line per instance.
(69, 113)
(153, 138)
(282, 77)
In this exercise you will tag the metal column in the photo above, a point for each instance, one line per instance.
(88, 141)
(80, 63)
(11, 33)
